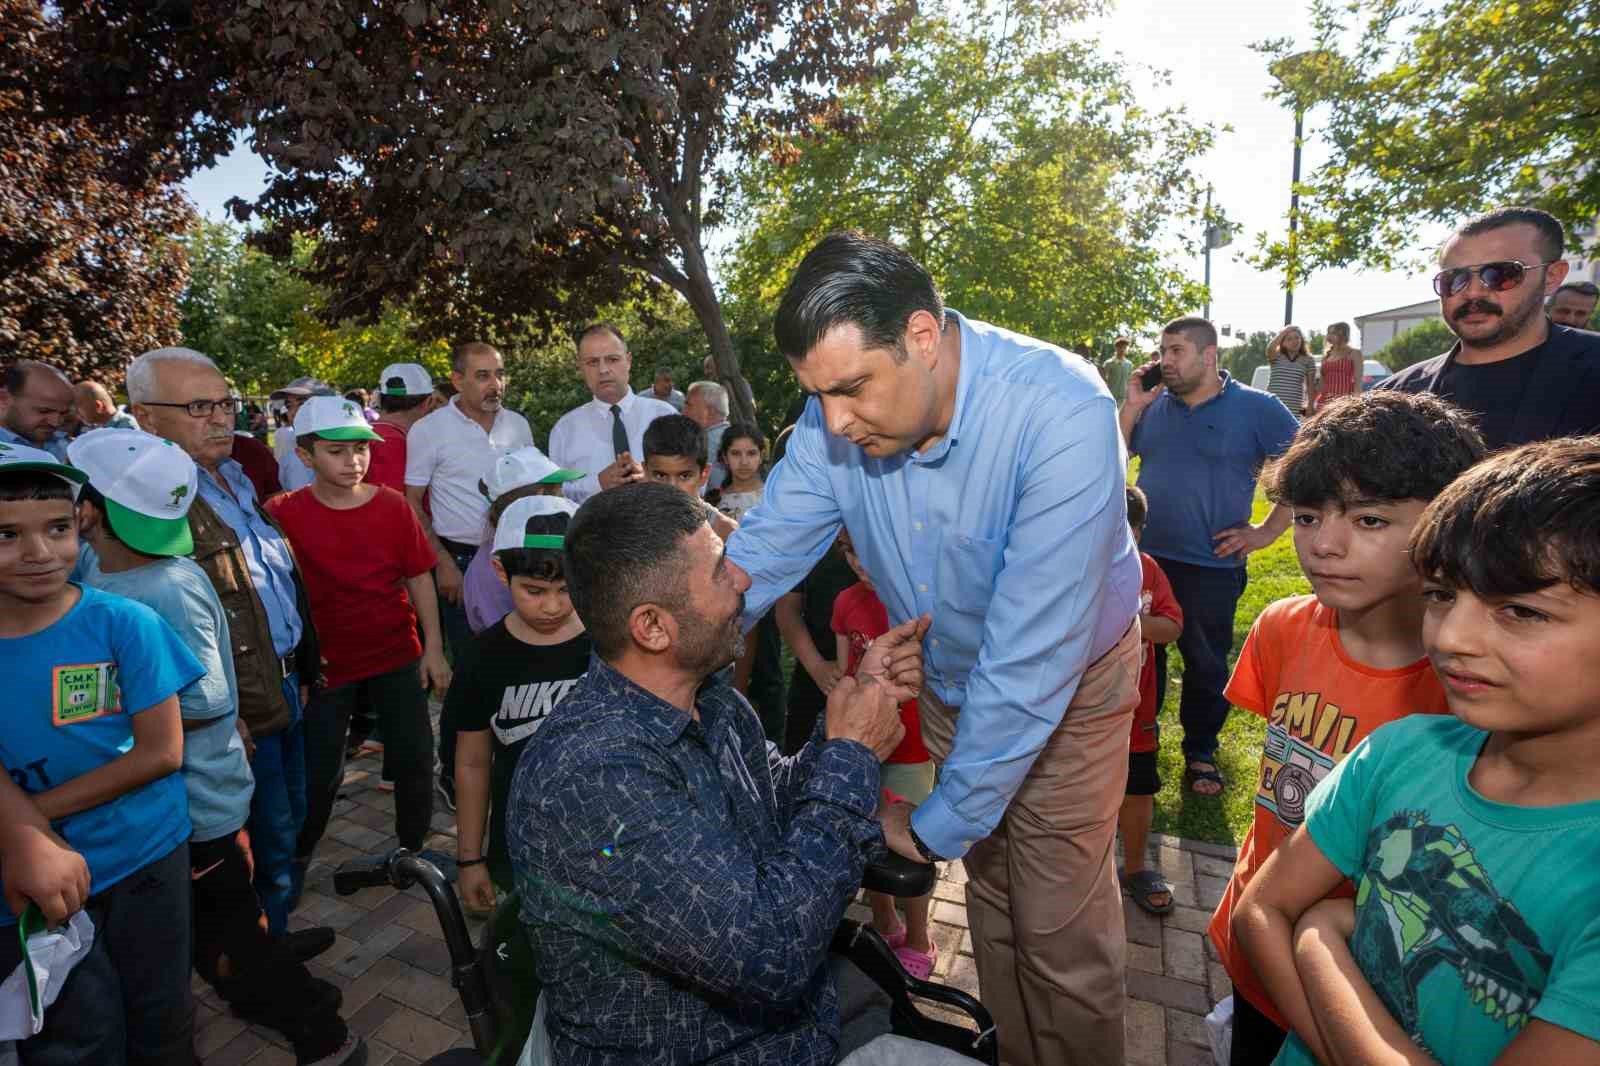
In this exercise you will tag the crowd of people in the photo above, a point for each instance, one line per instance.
(199, 630)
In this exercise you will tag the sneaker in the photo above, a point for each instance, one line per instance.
(917, 963)
(445, 864)
(327, 1041)
(306, 944)
(445, 789)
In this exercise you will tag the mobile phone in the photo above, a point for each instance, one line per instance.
(1151, 377)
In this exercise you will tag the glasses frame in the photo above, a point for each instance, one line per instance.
(202, 408)
(1441, 280)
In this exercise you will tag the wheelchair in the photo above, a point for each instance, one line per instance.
(498, 988)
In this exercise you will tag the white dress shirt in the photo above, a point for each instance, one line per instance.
(293, 473)
(448, 453)
(581, 440)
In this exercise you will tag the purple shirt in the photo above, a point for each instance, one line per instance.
(485, 596)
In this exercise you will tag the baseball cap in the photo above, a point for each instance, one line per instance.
(148, 484)
(332, 418)
(405, 379)
(525, 466)
(22, 457)
(512, 532)
(307, 386)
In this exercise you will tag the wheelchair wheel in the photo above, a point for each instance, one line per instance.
(506, 959)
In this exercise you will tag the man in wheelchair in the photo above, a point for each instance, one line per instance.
(681, 882)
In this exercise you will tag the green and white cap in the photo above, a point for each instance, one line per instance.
(148, 484)
(405, 379)
(22, 457)
(332, 418)
(523, 467)
(512, 532)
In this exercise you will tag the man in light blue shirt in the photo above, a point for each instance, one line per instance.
(40, 400)
(980, 474)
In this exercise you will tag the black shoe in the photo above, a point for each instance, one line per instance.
(327, 1041)
(306, 944)
(317, 999)
(446, 791)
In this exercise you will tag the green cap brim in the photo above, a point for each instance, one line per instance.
(152, 536)
(347, 433)
(543, 540)
(71, 473)
(557, 477)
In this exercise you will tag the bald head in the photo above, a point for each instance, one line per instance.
(95, 406)
(40, 400)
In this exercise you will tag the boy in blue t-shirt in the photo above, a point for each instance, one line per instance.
(134, 511)
(91, 731)
(1474, 936)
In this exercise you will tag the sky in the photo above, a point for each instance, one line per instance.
(1205, 46)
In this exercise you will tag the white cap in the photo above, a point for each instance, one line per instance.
(512, 532)
(306, 386)
(332, 418)
(523, 467)
(405, 379)
(22, 457)
(148, 484)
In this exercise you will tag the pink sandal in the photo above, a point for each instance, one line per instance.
(918, 964)
(896, 939)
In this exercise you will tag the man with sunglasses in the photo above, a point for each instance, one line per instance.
(1525, 377)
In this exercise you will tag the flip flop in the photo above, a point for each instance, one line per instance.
(1191, 774)
(1144, 884)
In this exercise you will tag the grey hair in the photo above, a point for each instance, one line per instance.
(142, 371)
(716, 395)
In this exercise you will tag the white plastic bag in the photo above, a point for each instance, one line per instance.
(1219, 1030)
(51, 955)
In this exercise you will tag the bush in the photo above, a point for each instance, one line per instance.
(1422, 341)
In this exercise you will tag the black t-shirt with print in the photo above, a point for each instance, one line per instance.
(509, 688)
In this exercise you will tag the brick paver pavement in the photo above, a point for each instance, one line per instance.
(391, 962)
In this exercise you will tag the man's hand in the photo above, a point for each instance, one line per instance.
(896, 821)
(447, 575)
(896, 658)
(623, 471)
(435, 672)
(245, 735)
(477, 890)
(867, 712)
(1240, 541)
(39, 866)
(1136, 397)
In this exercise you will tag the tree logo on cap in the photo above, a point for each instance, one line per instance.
(350, 410)
(178, 494)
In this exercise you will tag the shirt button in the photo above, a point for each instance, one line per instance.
(934, 642)
(916, 525)
(922, 588)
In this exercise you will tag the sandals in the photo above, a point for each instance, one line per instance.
(917, 963)
(1193, 774)
(1145, 884)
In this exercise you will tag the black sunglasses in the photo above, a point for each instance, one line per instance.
(1499, 276)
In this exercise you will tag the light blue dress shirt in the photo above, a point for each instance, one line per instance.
(56, 445)
(1011, 532)
(266, 553)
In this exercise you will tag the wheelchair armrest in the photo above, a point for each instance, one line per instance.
(896, 875)
(352, 876)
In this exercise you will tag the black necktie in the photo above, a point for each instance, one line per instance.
(619, 432)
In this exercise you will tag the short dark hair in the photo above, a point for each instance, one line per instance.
(1380, 445)
(598, 327)
(1200, 332)
(459, 354)
(623, 550)
(851, 278)
(678, 436)
(19, 485)
(740, 431)
(1520, 521)
(92, 496)
(1552, 238)
(390, 404)
(1582, 288)
(14, 379)
(1138, 506)
(540, 564)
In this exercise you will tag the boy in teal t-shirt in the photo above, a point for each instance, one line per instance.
(1474, 936)
(91, 732)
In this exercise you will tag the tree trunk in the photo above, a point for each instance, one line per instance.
(703, 298)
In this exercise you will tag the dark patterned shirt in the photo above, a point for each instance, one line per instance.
(681, 881)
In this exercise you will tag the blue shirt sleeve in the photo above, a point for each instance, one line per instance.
(152, 660)
(1275, 427)
(1068, 531)
(204, 631)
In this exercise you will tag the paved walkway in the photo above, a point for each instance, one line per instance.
(391, 962)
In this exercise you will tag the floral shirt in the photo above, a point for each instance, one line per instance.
(681, 880)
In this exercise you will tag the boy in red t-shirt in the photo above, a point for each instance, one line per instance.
(1326, 670)
(367, 567)
(859, 618)
(1161, 622)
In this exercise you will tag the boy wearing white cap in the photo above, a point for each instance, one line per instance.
(92, 733)
(134, 511)
(508, 680)
(524, 472)
(367, 567)
(405, 396)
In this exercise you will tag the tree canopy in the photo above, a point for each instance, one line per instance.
(1014, 164)
(1436, 111)
(1422, 341)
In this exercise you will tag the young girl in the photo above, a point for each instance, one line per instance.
(741, 452)
(1341, 366)
(1294, 372)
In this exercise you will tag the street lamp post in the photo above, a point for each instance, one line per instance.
(1294, 215)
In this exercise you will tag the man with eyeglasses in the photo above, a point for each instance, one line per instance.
(179, 395)
(1525, 377)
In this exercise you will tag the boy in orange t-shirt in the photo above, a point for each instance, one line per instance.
(1327, 669)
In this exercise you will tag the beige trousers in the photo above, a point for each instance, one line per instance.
(1042, 895)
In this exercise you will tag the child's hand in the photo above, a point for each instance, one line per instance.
(477, 890)
(435, 672)
(826, 675)
(248, 739)
(39, 866)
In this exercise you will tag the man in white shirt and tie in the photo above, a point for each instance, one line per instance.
(605, 437)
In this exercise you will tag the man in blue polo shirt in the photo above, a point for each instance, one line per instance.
(1201, 438)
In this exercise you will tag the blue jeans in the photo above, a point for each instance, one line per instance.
(1208, 595)
(278, 810)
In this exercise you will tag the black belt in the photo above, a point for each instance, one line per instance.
(455, 547)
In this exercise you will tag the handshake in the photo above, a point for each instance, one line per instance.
(866, 708)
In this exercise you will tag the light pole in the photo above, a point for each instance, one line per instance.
(1285, 70)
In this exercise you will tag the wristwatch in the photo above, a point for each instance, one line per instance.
(917, 842)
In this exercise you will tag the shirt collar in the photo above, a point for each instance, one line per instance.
(1228, 386)
(964, 379)
(660, 719)
(626, 403)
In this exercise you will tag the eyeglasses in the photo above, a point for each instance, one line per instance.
(1500, 276)
(203, 408)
